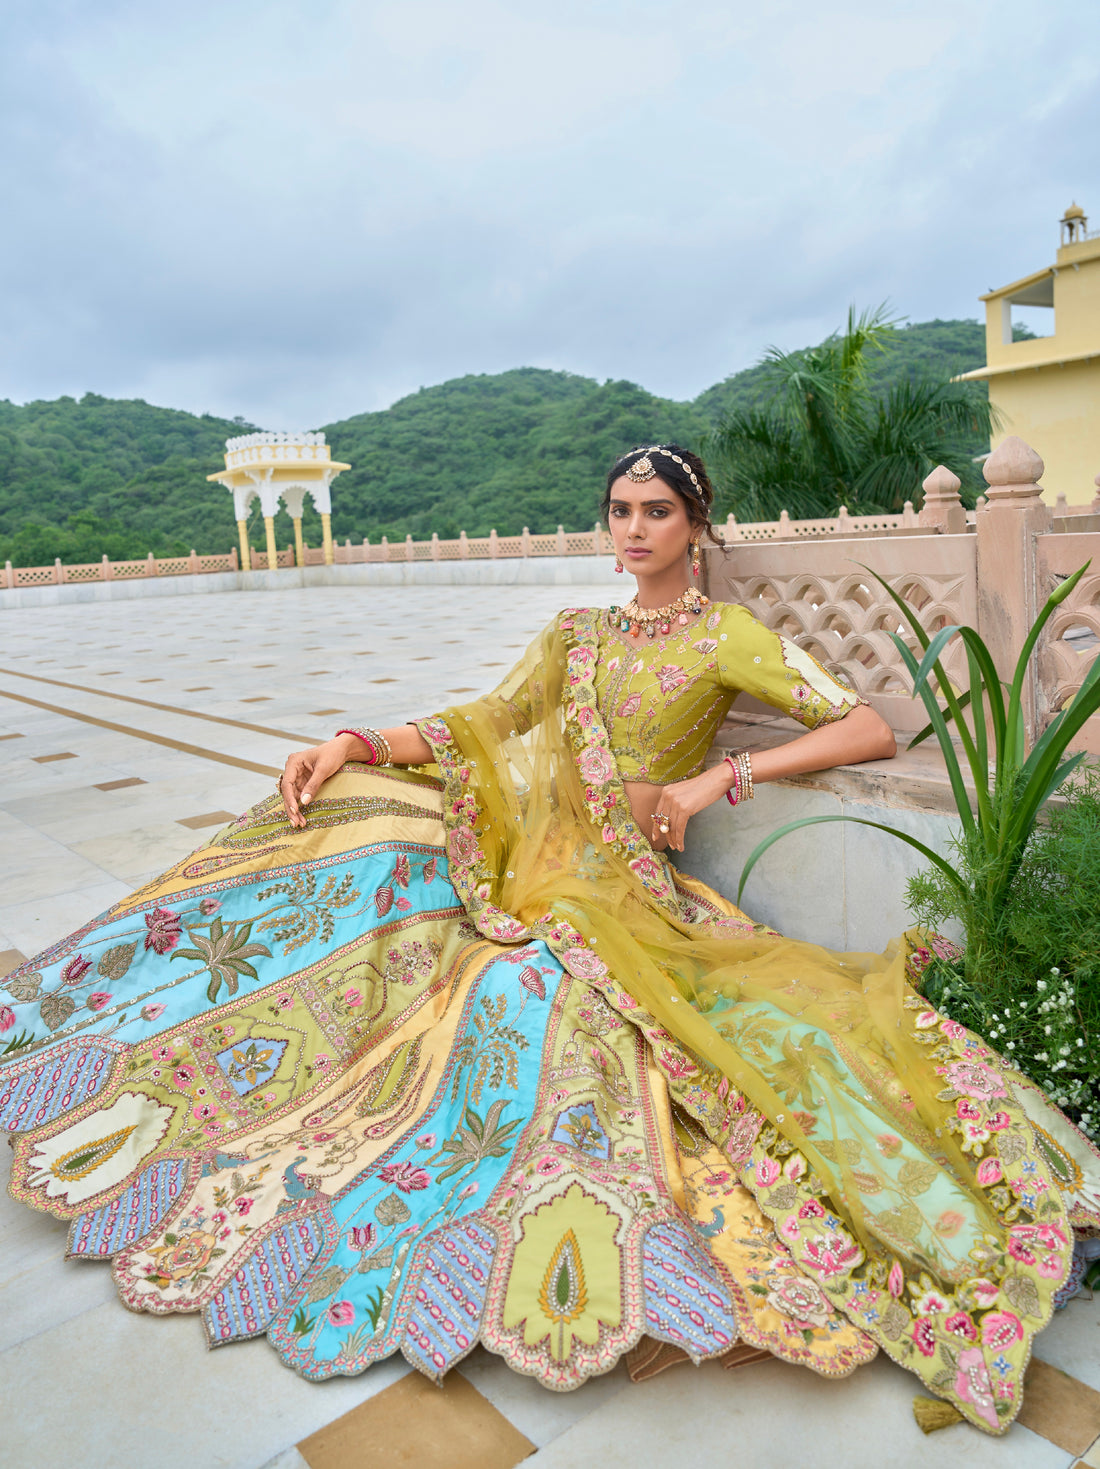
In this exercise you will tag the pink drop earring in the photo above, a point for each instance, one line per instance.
(618, 565)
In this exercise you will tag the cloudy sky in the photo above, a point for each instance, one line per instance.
(294, 210)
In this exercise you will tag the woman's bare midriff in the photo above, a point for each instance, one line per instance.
(644, 797)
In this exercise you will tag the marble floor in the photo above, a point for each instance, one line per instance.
(128, 729)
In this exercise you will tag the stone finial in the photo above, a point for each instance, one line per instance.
(1095, 507)
(941, 484)
(1013, 471)
(942, 509)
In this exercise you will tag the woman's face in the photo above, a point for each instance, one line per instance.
(649, 525)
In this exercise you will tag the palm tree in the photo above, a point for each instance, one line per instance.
(827, 438)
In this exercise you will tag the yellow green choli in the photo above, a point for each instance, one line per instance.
(663, 703)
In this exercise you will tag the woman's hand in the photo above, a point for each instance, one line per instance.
(678, 803)
(307, 770)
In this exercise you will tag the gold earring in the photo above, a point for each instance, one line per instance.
(618, 565)
(695, 558)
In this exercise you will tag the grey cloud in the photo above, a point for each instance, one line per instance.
(295, 212)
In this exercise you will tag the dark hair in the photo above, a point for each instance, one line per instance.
(675, 466)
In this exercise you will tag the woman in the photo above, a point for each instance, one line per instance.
(436, 1047)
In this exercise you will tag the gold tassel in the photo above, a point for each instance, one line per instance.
(933, 1413)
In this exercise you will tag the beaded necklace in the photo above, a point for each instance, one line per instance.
(634, 620)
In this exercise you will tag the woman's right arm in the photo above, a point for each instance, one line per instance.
(307, 770)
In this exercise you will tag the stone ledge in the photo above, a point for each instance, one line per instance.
(914, 780)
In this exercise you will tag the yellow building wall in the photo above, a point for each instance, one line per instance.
(1051, 403)
(1057, 411)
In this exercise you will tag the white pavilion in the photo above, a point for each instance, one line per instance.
(279, 466)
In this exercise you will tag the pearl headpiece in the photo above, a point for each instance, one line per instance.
(643, 469)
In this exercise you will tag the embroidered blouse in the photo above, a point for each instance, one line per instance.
(662, 703)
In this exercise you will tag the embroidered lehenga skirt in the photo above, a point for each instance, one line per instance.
(291, 1087)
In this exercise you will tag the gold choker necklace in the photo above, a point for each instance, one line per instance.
(634, 620)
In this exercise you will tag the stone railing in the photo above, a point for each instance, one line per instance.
(105, 570)
(992, 570)
(594, 542)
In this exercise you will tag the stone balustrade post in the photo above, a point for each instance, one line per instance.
(561, 541)
(435, 545)
(1061, 504)
(1008, 591)
(909, 515)
(234, 559)
(844, 522)
(597, 540)
(193, 560)
(104, 569)
(494, 549)
(385, 548)
(730, 534)
(463, 546)
(525, 542)
(784, 525)
(410, 554)
(942, 510)
(1095, 506)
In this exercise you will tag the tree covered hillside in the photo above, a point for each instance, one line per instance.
(947, 347)
(527, 447)
(107, 476)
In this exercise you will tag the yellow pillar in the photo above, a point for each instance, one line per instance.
(272, 554)
(299, 548)
(326, 530)
(246, 555)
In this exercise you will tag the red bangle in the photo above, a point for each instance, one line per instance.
(375, 742)
(730, 797)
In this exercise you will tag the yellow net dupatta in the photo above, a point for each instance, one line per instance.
(884, 1141)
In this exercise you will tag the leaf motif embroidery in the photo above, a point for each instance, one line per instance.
(327, 1282)
(916, 1177)
(380, 1260)
(116, 961)
(26, 988)
(56, 1009)
(1023, 1293)
(225, 954)
(393, 1210)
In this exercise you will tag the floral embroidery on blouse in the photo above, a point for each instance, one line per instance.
(662, 712)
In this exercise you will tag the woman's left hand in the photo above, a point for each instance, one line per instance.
(679, 802)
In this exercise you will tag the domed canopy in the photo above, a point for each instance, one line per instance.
(1074, 225)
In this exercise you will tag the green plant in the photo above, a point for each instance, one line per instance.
(828, 435)
(1039, 997)
(1011, 785)
(1027, 897)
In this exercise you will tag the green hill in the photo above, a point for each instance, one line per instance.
(926, 346)
(528, 447)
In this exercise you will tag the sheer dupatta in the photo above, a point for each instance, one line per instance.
(888, 1145)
